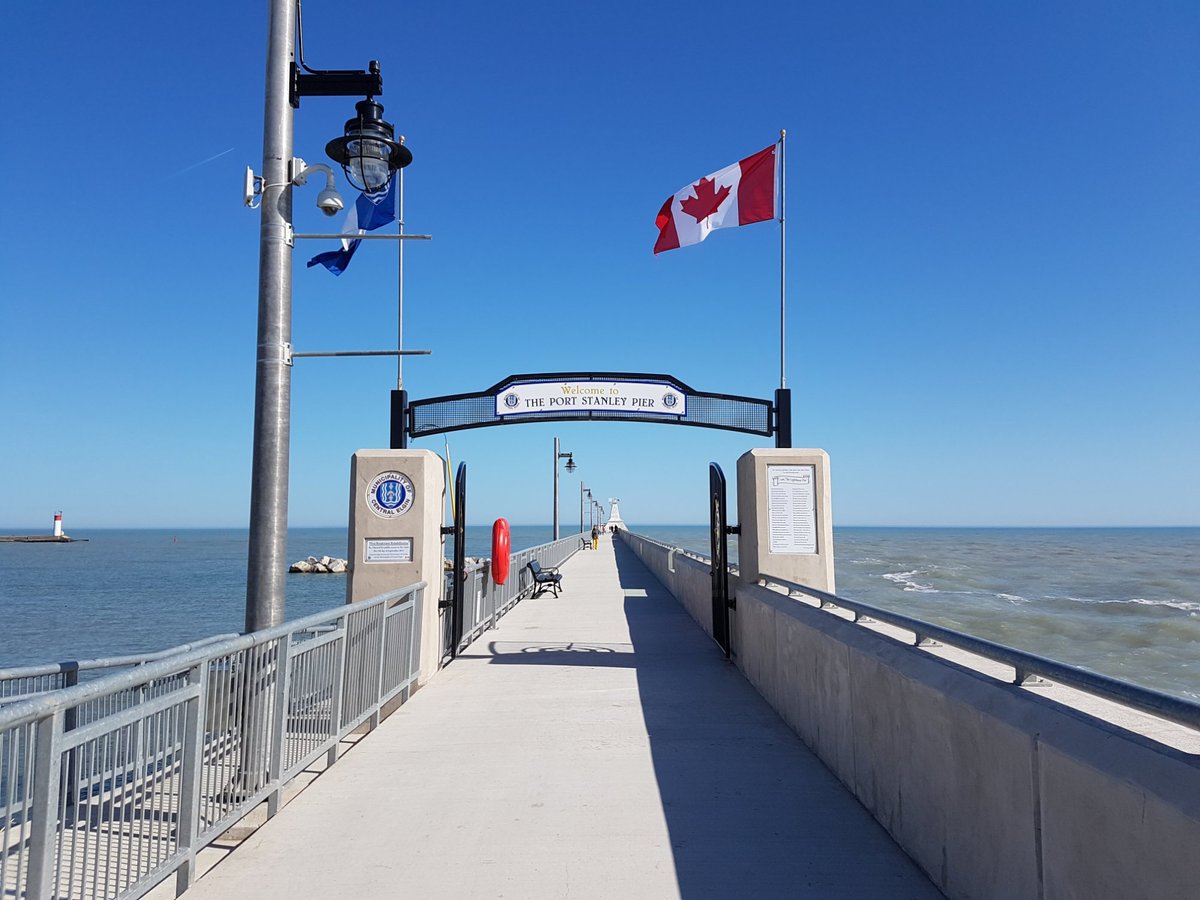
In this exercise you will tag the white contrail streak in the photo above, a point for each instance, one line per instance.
(202, 162)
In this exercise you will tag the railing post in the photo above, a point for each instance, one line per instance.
(494, 591)
(283, 679)
(414, 641)
(335, 708)
(188, 826)
(70, 723)
(376, 716)
(43, 834)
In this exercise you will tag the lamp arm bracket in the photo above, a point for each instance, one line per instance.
(335, 83)
(299, 171)
(326, 236)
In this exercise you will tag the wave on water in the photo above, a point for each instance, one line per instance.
(906, 580)
(1181, 605)
(1014, 598)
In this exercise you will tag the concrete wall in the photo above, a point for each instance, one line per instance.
(688, 580)
(995, 791)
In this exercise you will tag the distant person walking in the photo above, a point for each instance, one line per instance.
(595, 537)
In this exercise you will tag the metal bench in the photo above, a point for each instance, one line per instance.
(544, 579)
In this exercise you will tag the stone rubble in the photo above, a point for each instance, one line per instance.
(324, 565)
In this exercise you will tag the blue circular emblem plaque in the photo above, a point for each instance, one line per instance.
(390, 494)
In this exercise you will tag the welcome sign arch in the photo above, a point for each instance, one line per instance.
(593, 397)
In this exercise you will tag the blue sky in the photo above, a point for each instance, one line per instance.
(993, 252)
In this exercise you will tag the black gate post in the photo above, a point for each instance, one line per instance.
(460, 555)
(719, 542)
(783, 417)
(455, 602)
(399, 420)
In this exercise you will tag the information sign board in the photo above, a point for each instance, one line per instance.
(792, 509)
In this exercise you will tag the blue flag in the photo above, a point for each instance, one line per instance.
(370, 211)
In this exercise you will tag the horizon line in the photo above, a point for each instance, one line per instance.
(14, 530)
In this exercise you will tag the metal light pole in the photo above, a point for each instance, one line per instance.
(267, 565)
(367, 148)
(582, 490)
(569, 457)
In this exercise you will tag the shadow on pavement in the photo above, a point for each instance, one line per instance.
(750, 811)
(574, 653)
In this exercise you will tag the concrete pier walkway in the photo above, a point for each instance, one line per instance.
(596, 745)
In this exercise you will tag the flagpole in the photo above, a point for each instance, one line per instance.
(400, 288)
(783, 396)
(782, 255)
(399, 422)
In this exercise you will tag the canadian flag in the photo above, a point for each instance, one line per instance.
(737, 195)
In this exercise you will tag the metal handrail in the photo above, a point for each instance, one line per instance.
(45, 674)
(690, 554)
(1026, 665)
(160, 668)
(167, 756)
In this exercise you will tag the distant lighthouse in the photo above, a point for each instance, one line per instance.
(56, 538)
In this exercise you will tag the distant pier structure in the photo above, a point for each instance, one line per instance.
(58, 536)
(614, 518)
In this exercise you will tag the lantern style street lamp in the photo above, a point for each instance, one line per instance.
(369, 151)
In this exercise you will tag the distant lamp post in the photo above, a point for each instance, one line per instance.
(582, 491)
(368, 151)
(570, 458)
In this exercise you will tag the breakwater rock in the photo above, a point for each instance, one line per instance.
(323, 565)
(471, 562)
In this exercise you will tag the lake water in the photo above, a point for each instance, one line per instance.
(1125, 602)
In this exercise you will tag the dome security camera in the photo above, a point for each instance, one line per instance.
(330, 202)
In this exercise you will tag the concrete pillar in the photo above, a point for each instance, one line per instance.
(785, 516)
(397, 499)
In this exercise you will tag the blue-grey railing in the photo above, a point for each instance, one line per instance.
(1026, 666)
(486, 602)
(162, 759)
(22, 682)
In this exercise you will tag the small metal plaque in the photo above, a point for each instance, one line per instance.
(388, 550)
